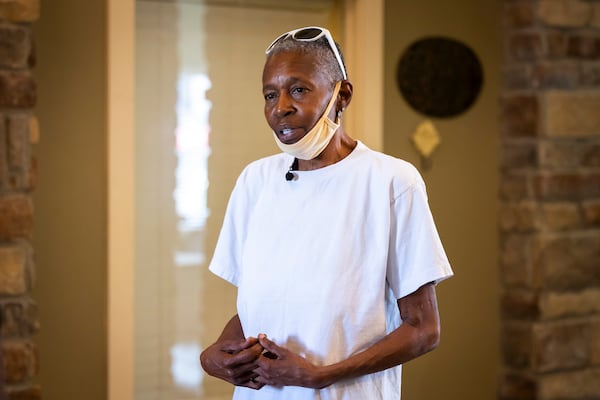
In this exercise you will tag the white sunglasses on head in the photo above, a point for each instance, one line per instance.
(310, 34)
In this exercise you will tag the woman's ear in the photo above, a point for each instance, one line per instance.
(344, 95)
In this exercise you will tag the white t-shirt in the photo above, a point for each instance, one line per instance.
(320, 261)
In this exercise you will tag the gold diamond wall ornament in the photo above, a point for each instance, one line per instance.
(426, 139)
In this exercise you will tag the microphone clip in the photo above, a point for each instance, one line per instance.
(290, 175)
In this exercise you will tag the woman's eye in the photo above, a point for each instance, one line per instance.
(298, 90)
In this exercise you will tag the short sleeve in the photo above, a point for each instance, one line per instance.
(416, 255)
(226, 260)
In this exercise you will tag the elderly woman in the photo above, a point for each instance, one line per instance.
(331, 245)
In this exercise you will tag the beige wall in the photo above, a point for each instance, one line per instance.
(70, 205)
(462, 184)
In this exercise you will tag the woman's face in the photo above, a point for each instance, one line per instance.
(296, 93)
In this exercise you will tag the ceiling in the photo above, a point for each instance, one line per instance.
(306, 5)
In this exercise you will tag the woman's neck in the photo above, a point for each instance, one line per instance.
(338, 148)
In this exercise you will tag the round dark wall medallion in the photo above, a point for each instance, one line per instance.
(439, 77)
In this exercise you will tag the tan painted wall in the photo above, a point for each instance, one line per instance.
(70, 205)
(462, 185)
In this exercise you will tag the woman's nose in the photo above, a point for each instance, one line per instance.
(284, 106)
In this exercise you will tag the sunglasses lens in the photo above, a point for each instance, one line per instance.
(307, 34)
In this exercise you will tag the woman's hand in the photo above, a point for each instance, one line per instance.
(279, 366)
(233, 361)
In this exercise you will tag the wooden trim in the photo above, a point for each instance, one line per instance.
(120, 163)
(363, 49)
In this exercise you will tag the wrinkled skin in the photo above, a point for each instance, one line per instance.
(233, 360)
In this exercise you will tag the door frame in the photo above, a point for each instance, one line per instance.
(121, 196)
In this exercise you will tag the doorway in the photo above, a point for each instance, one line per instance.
(199, 121)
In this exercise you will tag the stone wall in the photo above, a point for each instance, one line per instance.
(549, 216)
(18, 131)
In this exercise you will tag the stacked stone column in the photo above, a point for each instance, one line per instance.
(18, 131)
(549, 216)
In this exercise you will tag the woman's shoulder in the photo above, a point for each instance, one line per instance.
(391, 168)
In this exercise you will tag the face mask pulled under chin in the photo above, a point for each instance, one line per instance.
(314, 142)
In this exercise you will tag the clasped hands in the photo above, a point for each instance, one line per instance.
(256, 362)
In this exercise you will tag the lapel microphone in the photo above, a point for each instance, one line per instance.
(290, 175)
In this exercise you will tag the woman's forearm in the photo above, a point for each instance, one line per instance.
(418, 334)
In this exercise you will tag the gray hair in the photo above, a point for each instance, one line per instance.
(326, 59)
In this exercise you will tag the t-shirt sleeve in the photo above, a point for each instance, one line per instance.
(225, 262)
(416, 254)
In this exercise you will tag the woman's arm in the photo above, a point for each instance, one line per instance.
(233, 357)
(418, 334)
